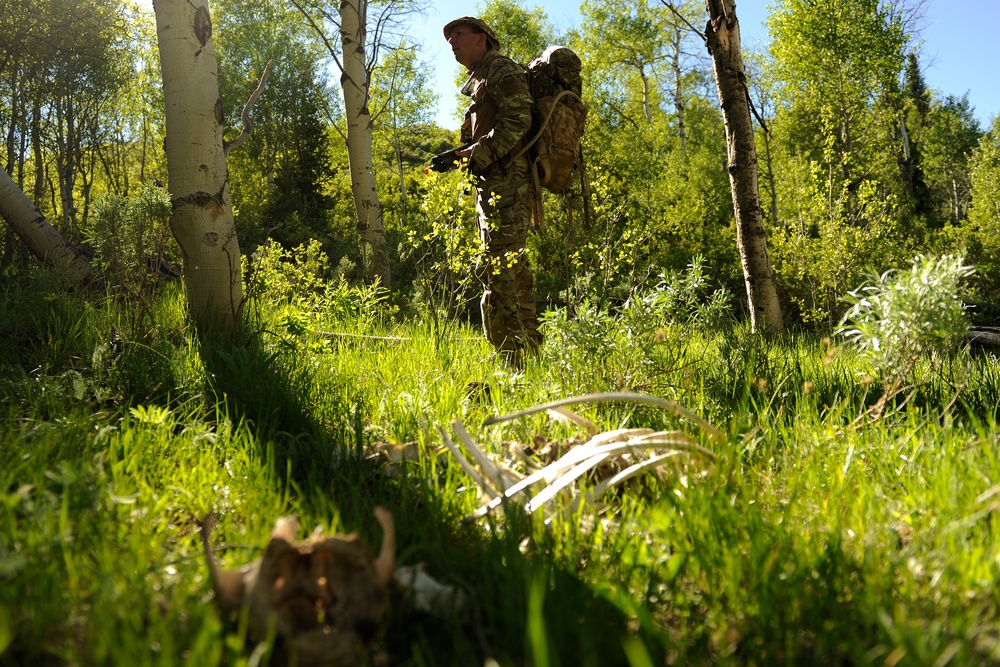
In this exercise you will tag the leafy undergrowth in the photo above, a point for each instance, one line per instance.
(833, 528)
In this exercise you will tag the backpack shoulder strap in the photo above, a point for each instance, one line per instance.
(545, 121)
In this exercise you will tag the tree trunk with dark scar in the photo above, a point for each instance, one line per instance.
(202, 218)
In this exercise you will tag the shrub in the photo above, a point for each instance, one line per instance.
(897, 319)
(277, 275)
(135, 248)
(684, 298)
(291, 290)
(627, 348)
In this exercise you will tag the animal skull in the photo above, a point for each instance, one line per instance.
(323, 597)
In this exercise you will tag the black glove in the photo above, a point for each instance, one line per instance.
(445, 161)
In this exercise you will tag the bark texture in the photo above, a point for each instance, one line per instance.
(355, 84)
(39, 235)
(723, 35)
(202, 218)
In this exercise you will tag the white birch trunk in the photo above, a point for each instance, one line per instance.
(202, 218)
(354, 83)
(39, 235)
(723, 33)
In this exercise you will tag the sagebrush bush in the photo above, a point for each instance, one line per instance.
(684, 298)
(898, 318)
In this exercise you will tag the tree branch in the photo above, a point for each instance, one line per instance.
(753, 107)
(319, 32)
(245, 114)
(670, 6)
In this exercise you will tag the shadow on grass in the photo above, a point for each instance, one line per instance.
(322, 459)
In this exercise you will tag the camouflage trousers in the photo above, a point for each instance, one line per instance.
(508, 305)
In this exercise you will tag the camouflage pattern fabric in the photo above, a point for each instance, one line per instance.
(476, 23)
(510, 322)
(556, 87)
(496, 122)
(498, 118)
(556, 70)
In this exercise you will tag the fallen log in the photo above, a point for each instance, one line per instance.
(984, 336)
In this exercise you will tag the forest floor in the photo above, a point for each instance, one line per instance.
(827, 526)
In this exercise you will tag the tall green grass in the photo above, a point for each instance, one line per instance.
(826, 533)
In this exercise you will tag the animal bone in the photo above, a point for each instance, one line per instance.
(323, 597)
(429, 594)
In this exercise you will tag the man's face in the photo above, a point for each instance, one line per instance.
(468, 46)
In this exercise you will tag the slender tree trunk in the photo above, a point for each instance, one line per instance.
(723, 34)
(957, 202)
(202, 218)
(142, 159)
(646, 103)
(680, 105)
(11, 135)
(36, 147)
(906, 162)
(359, 140)
(66, 139)
(87, 175)
(771, 180)
(402, 176)
(39, 235)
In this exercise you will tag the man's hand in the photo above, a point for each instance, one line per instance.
(448, 160)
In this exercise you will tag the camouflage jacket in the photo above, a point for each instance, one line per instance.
(498, 118)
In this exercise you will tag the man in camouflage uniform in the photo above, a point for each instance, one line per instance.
(495, 127)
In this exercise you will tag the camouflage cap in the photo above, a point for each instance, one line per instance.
(476, 23)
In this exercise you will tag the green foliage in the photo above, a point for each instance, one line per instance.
(864, 164)
(401, 98)
(442, 245)
(833, 58)
(131, 234)
(51, 333)
(943, 141)
(290, 290)
(590, 348)
(410, 200)
(979, 237)
(282, 177)
(401, 102)
(134, 246)
(841, 199)
(824, 249)
(280, 276)
(915, 86)
(685, 298)
(634, 57)
(523, 32)
(59, 102)
(363, 306)
(646, 215)
(817, 537)
(132, 148)
(899, 318)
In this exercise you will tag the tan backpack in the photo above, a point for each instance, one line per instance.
(558, 119)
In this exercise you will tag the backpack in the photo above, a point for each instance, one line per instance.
(558, 119)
